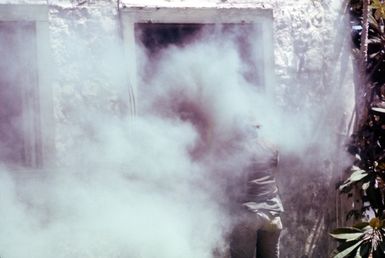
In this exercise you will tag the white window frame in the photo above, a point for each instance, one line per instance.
(38, 126)
(210, 15)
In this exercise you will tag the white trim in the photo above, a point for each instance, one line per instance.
(45, 94)
(132, 15)
(23, 12)
(268, 43)
(250, 4)
(37, 101)
(198, 15)
(129, 52)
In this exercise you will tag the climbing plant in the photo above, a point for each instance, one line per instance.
(367, 174)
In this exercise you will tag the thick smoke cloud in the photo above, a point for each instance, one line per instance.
(150, 185)
(132, 192)
(126, 187)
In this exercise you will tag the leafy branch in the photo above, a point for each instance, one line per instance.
(367, 174)
(361, 240)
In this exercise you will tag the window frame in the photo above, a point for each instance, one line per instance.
(38, 123)
(211, 15)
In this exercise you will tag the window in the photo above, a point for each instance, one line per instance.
(25, 99)
(173, 25)
(156, 36)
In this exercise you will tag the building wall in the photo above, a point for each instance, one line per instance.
(311, 70)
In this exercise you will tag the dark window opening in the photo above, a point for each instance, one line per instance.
(18, 89)
(158, 36)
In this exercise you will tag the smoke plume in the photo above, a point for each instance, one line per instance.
(153, 185)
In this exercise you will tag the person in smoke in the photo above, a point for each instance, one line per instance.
(253, 198)
(257, 206)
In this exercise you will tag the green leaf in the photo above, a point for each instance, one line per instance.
(377, 109)
(377, 14)
(355, 214)
(376, 4)
(380, 9)
(358, 253)
(343, 246)
(375, 40)
(379, 251)
(364, 249)
(346, 234)
(346, 230)
(361, 225)
(365, 186)
(374, 55)
(357, 175)
(374, 26)
(348, 250)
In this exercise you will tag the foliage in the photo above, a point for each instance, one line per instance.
(368, 141)
(379, 9)
(361, 240)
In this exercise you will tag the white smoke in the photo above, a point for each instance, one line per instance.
(147, 186)
(130, 192)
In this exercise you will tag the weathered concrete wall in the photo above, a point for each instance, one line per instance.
(313, 70)
(311, 66)
(89, 65)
